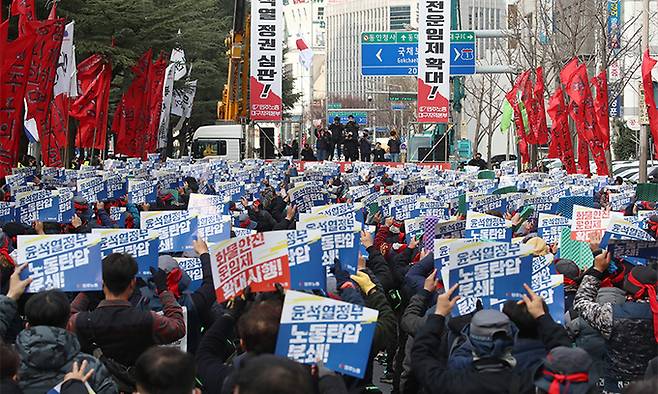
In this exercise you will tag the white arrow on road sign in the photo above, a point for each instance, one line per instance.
(379, 55)
(457, 54)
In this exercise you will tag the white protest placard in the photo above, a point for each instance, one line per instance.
(623, 230)
(143, 245)
(549, 227)
(340, 238)
(487, 227)
(176, 229)
(589, 223)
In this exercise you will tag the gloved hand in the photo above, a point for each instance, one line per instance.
(159, 278)
(236, 308)
(341, 275)
(363, 280)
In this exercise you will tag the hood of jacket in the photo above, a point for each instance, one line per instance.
(46, 348)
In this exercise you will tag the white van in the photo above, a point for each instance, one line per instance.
(218, 141)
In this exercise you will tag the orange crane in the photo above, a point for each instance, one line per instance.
(235, 100)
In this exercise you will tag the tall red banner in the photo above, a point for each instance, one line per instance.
(434, 61)
(130, 121)
(17, 56)
(648, 64)
(512, 98)
(265, 87)
(155, 103)
(541, 128)
(90, 108)
(561, 146)
(600, 83)
(39, 90)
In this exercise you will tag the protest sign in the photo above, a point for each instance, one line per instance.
(141, 191)
(619, 201)
(92, 189)
(307, 196)
(589, 223)
(214, 228)
(116, 186)
(639, 249)
(259, 261)
(541, 204)
(340, 238)
(203, 204)
(65, 207)
(400, 207)
(41, 205)
(429, 207)
(552, 293)
(231, 191)
(549, 227)
(491, 202)
(436, 228)
(176, 229)
(7, 212)
(414, 228)
(118, 215)
(304, 257)
(620, 229)
(194, 269)
(69, 262)
(337, 333)
(577, 251)
(487, 227)
(359, 192)
(241, 232)
(354, 211)
(490, 269)
(141, 244)
(565, 205)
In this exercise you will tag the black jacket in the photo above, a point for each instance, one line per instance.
(434, 375)
(337, 131)
(307, 155)
(378, 155)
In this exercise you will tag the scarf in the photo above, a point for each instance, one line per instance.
(173, 277)
(650, 291)
(559, 379)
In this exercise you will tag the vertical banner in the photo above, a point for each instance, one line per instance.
(614, 24)
(167, 96)
(266, 59)
(433, 61)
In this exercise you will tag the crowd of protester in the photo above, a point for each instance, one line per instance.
(115, 340)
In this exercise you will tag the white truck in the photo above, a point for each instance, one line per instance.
(218, 141)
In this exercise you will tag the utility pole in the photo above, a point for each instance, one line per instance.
(644, 129)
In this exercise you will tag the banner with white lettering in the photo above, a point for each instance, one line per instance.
(259, 261)
(143, 245)
(141, 191)
(41, 205)
(304, 256)
(337, 333)
(176, 229)
(340, 238)
(589, 223)
(214, 228)
(68, 262)
(265, 91)
(549, 227)
(623, 230)
(92, 189)
(487, 227)
(307, 196)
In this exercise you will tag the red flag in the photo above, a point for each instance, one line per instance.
(648, 64)
(560, 146)
(600, 83)
(512, 98)
(528, 99)
(25, 10)
(90, 108)
(129, 121)
(583, 157)
(39, 92)
(155, 103)
(568, 71)
(4, 31)
(579, 91)
(17, 56)
(541, 129)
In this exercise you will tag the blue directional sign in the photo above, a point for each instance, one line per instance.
(361, 118)
(389, 53)
(396, 53)
(462, 53)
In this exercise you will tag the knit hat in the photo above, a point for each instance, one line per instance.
(565, 370)
(167, 263)
(491, 333)
(641, 282)
(570, 270)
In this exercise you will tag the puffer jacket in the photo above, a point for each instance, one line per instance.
(627, 328)
(588, 338)
(47, 354)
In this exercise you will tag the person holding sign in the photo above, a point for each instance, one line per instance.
(630, 328)
(491, 334)
(121, 331)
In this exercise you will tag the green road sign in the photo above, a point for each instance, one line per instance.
(390, 37)
(462, 36)
(334, 106)
(396, 97)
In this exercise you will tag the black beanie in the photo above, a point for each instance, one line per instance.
(642, 274)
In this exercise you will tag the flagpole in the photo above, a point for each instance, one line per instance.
(644, 130)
